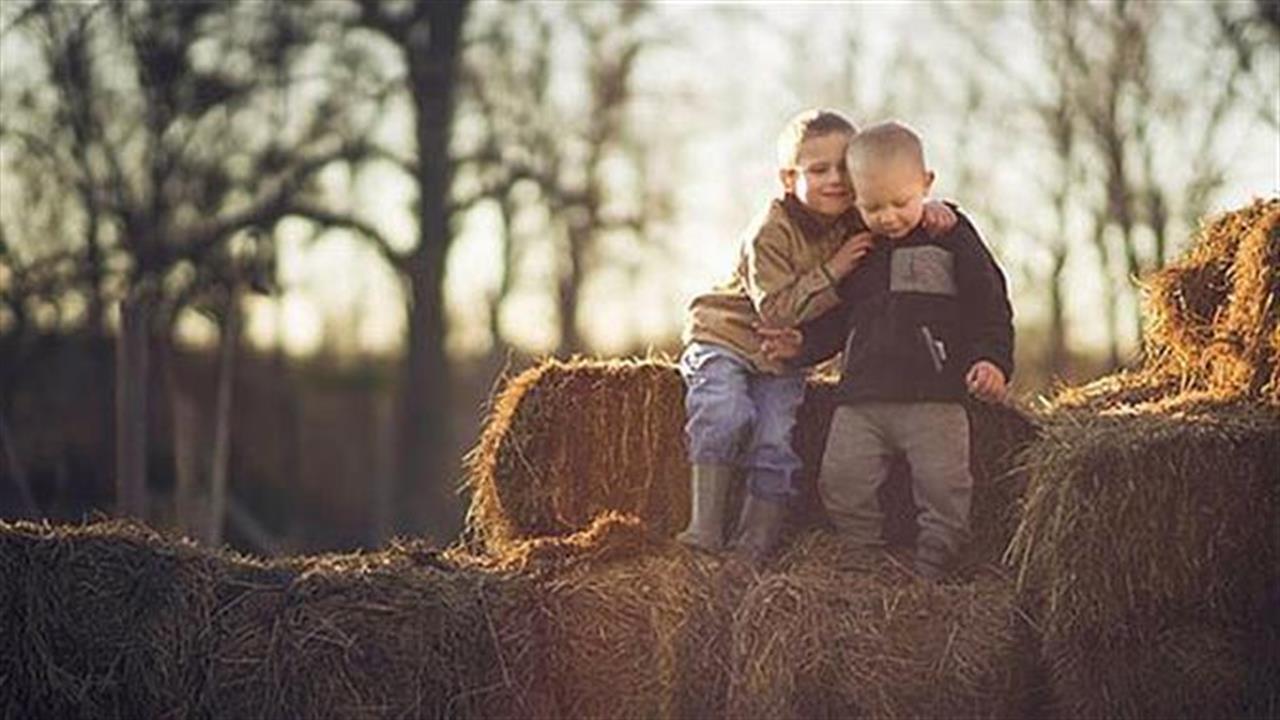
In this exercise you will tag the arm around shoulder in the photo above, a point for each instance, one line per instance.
(782, 294)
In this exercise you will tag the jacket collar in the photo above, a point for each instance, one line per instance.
(815, 226)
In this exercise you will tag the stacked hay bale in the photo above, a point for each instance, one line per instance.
(1146, 535)
(1149, 546)
(843, 632)
(614, 623)
(111, 620)
(1212, 321)
(581, 459)
(97, 625)
(568, 441)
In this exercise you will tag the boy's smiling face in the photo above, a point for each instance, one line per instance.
(821, 178)
(891, 194)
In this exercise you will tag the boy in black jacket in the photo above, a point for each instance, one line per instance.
(926, 319)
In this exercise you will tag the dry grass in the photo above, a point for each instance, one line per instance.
(1213, 321)
(642, 637)
(1143, 520)
(1149, 547)
(842, 632)
(111, 620)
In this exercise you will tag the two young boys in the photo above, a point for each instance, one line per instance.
(919, 307)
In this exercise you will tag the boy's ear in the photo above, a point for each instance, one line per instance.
(788, 178)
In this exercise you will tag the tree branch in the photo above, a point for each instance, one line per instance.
(329, 219)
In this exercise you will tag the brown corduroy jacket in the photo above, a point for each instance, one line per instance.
(780, 280)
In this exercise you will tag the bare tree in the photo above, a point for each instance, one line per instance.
(427, 37)
(507, 72)
(1125, 104)
(172, 158)
(564, 158)
(1137, 154)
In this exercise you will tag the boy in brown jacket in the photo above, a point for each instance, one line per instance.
(741, 406)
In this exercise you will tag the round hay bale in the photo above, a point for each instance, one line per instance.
(1182, 671)
(568, 441)
(1213, 319)
(112, 620)
(102, 621)
(843, 632)
(1140, 514)
(372, 635)
(612, 622)
(13, 570)
(1140, 517)
(634, 638)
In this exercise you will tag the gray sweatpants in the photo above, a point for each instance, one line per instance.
(935, 438)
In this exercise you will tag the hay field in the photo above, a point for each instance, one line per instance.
(1126, 565)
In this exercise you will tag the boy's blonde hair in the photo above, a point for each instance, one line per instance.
(806, 126)
(884, 142)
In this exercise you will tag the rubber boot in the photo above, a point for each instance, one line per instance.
(932, 561)
(709, 485)
(758, 529)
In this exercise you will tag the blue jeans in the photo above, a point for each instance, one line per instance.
(737, 416)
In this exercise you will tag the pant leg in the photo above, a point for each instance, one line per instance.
(717, 403)
(935, 437)
(854, 465)
(770, 459)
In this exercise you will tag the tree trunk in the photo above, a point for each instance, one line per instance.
(222, 422)
(570, 291)
(382, 524)
(507, 209)
(431, 54)
(1057, 351)
(188, 445)
(1108, 293)
(16, 471)
(131, 406)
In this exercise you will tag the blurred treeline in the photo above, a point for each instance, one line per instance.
(154, 154)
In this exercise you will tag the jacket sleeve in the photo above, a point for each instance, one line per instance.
(984, 297)
(781, 294)
(824, 336)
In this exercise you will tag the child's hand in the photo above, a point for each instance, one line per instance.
(847, 256)
(780, 344)
(986, 381)
(938, 218)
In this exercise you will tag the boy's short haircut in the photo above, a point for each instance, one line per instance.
(883, 142)
(806, 126)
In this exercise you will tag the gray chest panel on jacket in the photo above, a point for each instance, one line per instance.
(922, 269)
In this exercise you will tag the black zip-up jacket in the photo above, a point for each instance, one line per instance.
(915, 315)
